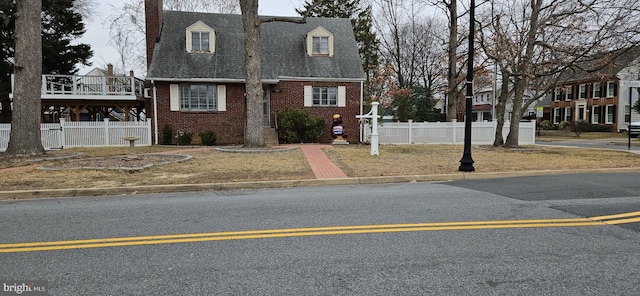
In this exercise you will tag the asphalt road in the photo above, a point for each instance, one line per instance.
(515, 236)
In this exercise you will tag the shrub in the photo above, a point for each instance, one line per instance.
(546, 125)
(208, 138)
(298, 126)
(563, 125)
(167, 135)
(184, 138)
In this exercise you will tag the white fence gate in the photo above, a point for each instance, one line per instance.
(482, 133)
(68, 134)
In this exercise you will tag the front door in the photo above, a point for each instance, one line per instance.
(265, 105)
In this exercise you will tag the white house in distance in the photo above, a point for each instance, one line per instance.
(483, 105)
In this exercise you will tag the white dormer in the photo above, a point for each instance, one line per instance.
(200, 38)
(319, 42)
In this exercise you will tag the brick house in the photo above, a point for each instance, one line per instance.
(196, 71)
(599, 97)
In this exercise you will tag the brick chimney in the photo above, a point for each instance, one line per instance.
(153, 21)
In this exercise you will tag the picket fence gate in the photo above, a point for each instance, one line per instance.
(69, 134)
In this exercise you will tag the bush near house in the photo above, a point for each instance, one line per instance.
(298, 126)
(184, 138)
(208, 138)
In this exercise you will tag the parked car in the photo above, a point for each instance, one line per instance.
(634, 129)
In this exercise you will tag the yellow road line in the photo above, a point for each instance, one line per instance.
(316, 231)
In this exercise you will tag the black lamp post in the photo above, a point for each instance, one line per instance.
(466, 163)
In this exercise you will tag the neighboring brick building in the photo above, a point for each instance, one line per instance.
(598, 94)
(196, 66)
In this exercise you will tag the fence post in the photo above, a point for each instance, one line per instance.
(63, 132)
(410, 131)
(106, 131)
(533, 131)
(148, 126)
(455, 136)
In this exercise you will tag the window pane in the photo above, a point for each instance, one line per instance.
(204, 42)
(195, 41)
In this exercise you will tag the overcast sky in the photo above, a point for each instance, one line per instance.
(97, 35)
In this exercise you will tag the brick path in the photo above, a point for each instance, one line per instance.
(320, 164)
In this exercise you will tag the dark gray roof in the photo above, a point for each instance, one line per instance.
(601, 66)
(283, 49)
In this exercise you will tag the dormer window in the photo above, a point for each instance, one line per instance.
(321, 45)
(319, 42)
(200, 41)
(200, 38)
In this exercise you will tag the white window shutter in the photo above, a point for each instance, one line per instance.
(342, 96)
(222, 98)
(174, 97)
(308, 95)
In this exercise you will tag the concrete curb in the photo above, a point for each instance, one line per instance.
(124, 190)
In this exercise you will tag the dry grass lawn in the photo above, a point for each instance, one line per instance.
(211, 166)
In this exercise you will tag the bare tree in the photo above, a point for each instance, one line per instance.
(253, 136)
(25, 136)
(533, 41)
(127, 26)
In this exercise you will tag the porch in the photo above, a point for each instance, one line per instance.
(91, 97)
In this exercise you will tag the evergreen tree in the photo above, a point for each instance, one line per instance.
(362, 23)
(61, 24)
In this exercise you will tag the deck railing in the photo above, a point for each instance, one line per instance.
(90, 85)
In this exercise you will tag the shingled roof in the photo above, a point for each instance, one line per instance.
(602, 66)
(283, 50)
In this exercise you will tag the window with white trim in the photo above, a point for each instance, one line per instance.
(610, 113)
(568, 114)
(325, 96)
(200, 41)
(569, 96)
(556, 115)
(320, 96)
(583, 91)
(199, 97)
(559, 94)
(595, 114)
(611, 89)
(627, 113)
(597, 90)
(321, 45)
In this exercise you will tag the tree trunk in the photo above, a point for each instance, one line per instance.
(452, 92)
(25, 136)
(500, 107)
(253, 128)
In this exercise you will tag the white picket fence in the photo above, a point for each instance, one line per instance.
(482, 133)
(68, 134)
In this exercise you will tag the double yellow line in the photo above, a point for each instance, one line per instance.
(623, 218)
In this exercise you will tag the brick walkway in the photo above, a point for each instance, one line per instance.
(320, 164)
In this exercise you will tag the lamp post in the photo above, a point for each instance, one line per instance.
(466, 163)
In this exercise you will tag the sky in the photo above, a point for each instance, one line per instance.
(97, 34)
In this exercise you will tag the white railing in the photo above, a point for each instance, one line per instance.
(482, 133)
(68, 134)
(90, 85)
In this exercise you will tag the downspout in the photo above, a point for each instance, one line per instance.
(361, 110)
(155, 111)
